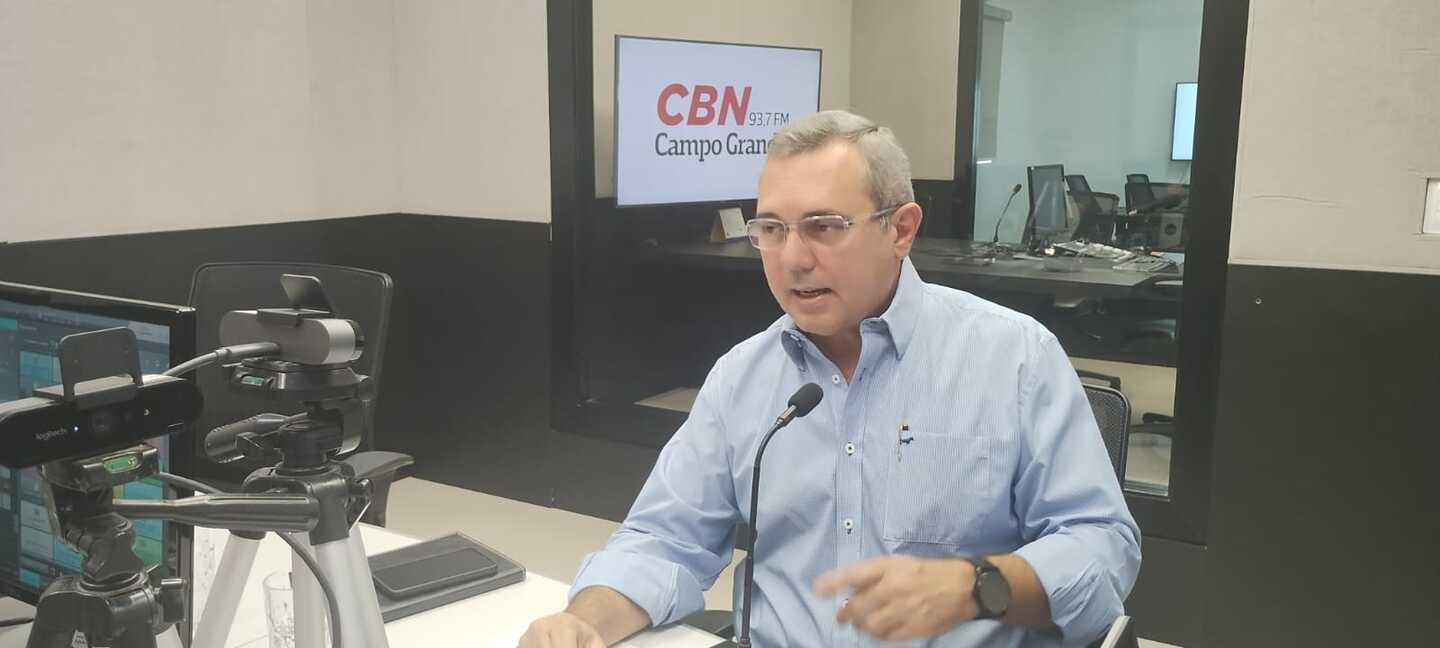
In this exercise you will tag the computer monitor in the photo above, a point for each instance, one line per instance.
(1182, 125)
(32, 322)
(1047, 203)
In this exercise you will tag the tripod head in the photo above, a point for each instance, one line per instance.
(86, 434)
(79, 495)
(314, 367)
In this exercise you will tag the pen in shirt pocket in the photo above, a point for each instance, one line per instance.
(901, 440)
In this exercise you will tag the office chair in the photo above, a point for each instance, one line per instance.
(1145, 196)
(1155, 212)
(359, 295)
(1138, 191)
(1120, 635)
(1112, 416)
(1097, 211)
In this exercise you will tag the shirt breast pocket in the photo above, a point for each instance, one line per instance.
(942, 489)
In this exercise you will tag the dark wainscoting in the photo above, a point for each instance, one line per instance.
(467, 377)
(1327, 437)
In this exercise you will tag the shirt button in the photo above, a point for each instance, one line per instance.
(835, 379)
(848, 524)
(849, 448)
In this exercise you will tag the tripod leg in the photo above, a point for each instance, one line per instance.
(311, 611)
(225, 593)
(136, 636)
(344, 561)
(50, 630)
(120, 619)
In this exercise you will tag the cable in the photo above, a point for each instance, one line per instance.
(253, 350)
(9, 623)
(330, 600)
(324, 581)
(185, 482)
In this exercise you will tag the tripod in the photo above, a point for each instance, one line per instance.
(307, 444)
(112, 602)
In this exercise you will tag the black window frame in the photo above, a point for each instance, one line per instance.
(1183, 514)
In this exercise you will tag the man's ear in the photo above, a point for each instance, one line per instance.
(906, 221)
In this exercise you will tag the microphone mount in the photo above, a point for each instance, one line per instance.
(804, 400)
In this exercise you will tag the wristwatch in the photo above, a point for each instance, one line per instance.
(992, 591)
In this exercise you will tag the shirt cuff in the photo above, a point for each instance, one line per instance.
(663, 589)
(1078, 606)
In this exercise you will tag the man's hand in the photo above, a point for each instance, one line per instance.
(899, 598)
(563, 630)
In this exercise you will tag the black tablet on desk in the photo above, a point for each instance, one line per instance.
(437, 572)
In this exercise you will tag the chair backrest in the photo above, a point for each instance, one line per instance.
(1077, 183)
(1109, 203)
(218, 288)
(1084, 199)
(1138, 191)
(1097, 211)
(1112, 415)
(1121, 634)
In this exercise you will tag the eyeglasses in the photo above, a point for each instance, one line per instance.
(825, 230)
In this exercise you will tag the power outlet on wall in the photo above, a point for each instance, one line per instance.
(1432, 207)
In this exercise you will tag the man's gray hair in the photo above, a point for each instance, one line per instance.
(887, 168)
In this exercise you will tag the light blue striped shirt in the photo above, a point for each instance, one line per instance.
(1004, 457)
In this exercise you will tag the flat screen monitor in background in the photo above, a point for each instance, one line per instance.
(1182, 137)
(694, 120)
(32, 321)
(1047, 203)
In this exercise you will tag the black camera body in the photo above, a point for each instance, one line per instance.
(102, 404)
(39, 430)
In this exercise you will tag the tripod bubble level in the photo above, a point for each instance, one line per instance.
(122, 464)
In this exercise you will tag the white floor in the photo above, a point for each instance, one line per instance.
(547, 541)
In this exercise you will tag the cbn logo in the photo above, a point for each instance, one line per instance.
(702, 105)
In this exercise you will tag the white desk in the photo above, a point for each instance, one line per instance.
(495, 618)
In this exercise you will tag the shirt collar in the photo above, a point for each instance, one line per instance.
(898, 321)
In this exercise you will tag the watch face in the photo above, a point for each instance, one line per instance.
(993, 593)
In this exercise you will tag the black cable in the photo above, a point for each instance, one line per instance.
(239, 351)
(320, 577)
(300, 550)
(187, 483)
(10, 623)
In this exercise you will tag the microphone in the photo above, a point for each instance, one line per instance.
(801, 402)
(1014, 191)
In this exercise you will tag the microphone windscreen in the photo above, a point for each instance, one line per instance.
(1016, 189)
(806, 398)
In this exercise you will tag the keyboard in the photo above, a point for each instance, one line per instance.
(1096, 250)
(1145, 264)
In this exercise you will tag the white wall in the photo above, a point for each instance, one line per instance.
(154, 115)
(472, 99)
(1089, 85)
(792, 23)
(905, 61)
(1338, 129)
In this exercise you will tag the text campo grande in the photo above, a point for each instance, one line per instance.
(732, 144)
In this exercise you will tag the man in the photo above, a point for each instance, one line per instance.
(951, 485)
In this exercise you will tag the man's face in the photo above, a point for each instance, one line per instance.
(829, 289)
